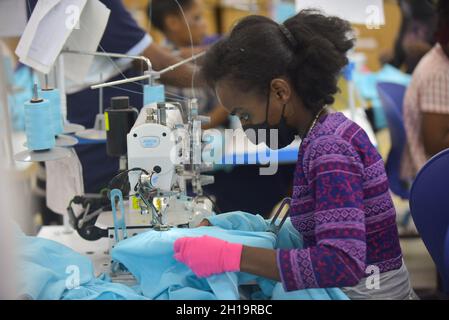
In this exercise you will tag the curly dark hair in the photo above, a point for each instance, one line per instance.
(158, 10)
(258, 50)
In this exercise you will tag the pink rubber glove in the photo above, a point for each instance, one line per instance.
(207, 256)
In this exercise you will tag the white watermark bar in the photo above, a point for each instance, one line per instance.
(232, 147)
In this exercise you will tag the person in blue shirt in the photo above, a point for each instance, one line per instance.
(122, 35)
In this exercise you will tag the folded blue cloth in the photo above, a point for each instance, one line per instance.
(287, 238)
(49, 270)
(149, 257)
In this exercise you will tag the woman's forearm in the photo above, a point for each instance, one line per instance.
(434, 146)
(260, 262)
(435, 132)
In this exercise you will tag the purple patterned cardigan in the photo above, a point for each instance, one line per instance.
(343, 209)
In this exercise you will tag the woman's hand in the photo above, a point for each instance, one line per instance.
(207, 256)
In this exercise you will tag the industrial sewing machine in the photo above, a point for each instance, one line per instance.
(161, 186)
(161, 166)
(169, 152)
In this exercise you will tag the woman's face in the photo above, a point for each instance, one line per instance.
(249, 106)
(197, 24)
(187, 28)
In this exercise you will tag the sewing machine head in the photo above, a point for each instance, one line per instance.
(152, 145)
(164, 152)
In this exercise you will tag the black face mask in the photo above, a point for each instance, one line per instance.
(261, 132)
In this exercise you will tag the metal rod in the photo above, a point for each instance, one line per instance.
(61, 86)
(55, 78)
(176, 65)
(101, 96)
(111, 55)
(46, 80)
(118, 82)
(35, 94)
(151, 74)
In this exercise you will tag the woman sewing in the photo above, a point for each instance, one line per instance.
(283, 77)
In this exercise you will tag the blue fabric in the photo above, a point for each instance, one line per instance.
(46, 266)
(45, 269)
(149, 257)
(239, 221)
(288, 238)
(366, 84)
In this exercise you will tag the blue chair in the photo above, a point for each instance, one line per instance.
(392, 97)
(446, 251)
(429, 205)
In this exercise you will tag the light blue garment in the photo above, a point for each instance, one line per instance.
(366, 85)
(288, 238)
(149, 257)
(239, 220)
(49, 271)
(46, 267)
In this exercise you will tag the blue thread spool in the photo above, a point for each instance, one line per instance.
(54, 97)
(38, 127)
(153, 94)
